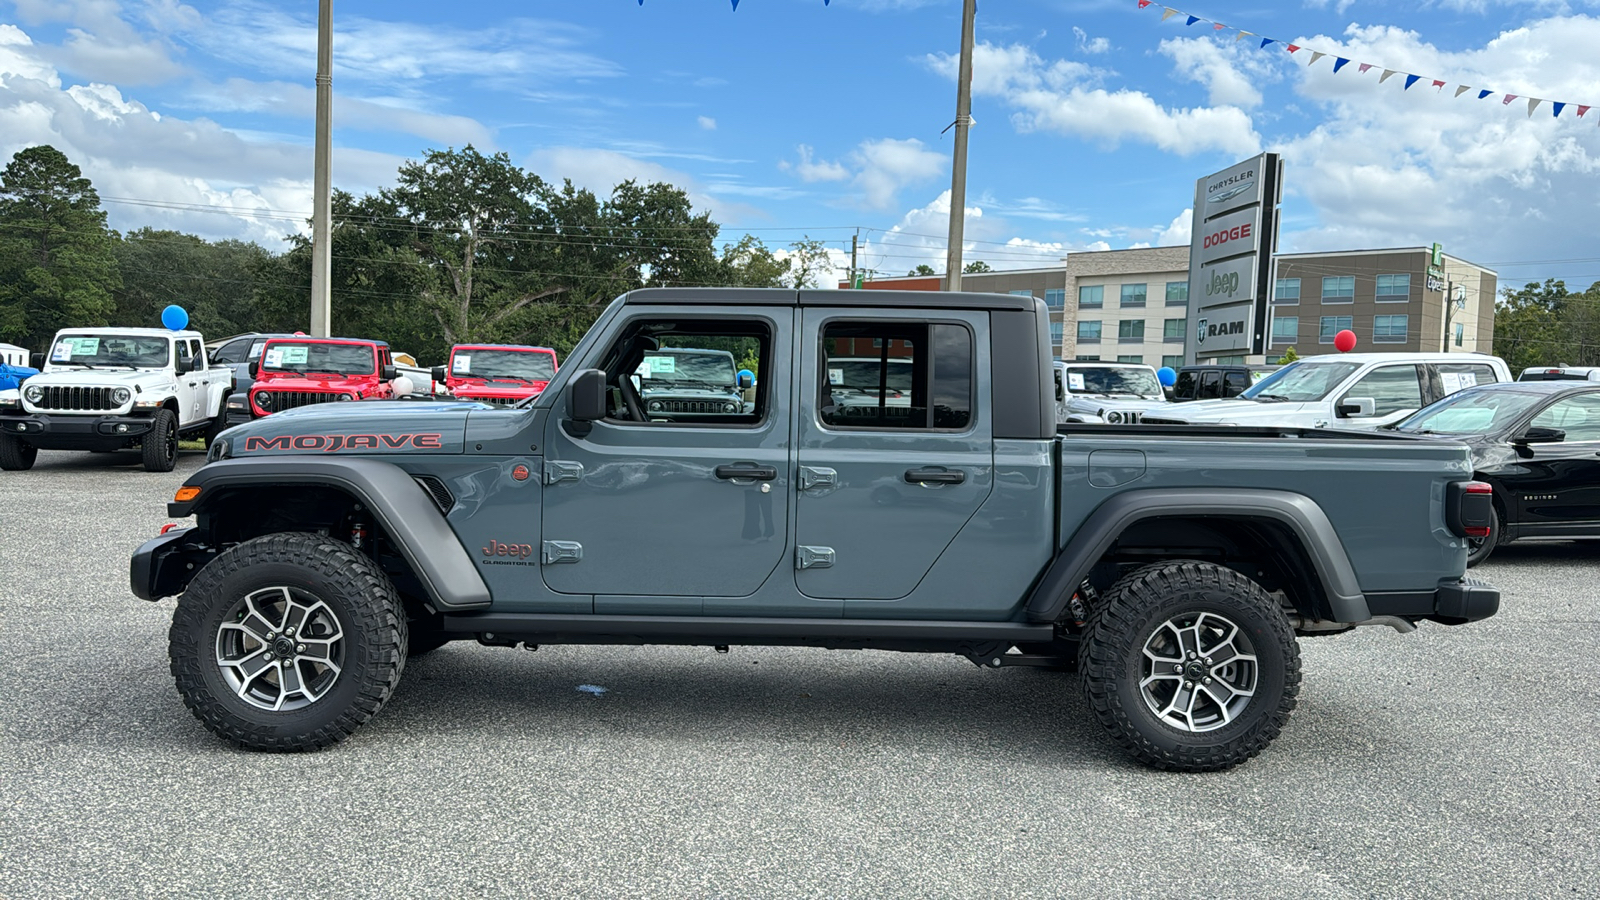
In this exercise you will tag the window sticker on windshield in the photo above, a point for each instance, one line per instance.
(836, 376)
(1456, 381)
(69, 347)
(661, 365)
(62, 352)
(1075, 381)
(462, 364)
(294, 356)
(255, 350)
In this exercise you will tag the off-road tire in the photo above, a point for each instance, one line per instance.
(353, 588)
(218, 425)
(160, 443)
(1113, 655)
(1479, 551)
(17, 456)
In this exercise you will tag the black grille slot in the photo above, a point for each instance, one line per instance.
(76, 398)
(441, 495)
(282, 400)
(690, 406)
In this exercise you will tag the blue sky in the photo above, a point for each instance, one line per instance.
(789, 119)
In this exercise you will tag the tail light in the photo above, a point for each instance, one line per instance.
(1469, 508)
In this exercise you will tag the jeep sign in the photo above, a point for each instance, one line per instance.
(1235, 233)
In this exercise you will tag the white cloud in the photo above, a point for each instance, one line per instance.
(708, 123)
(1178, 232)
(388, 114)
(921, 237)
(810, 169)
(101, 45)
(878, 169)
(1229, 70)
(1064, 96)
(1087, 45)
(601, 170)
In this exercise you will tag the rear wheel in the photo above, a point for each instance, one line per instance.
(288, 642)
(1478, 549)
(15, 455)
(1191, 666)
(160, 443)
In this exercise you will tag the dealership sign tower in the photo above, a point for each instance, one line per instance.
(1235, 234)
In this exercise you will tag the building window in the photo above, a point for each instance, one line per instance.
(1389, 329)
(1174, 330)
(1020, 293)
(1285, 328)
(1287, 291)
(1130, 332)
(1332, 325)
(1229, 361)
(1088, 332)
(1177, 293)
(1461, 332)
(1339, 289)
(1135, 359)
(1172, 362)
(1092, 296)
(1055, 298)
(1056, 332)
(1089, 357)
(1394, 287)
(1133, 295)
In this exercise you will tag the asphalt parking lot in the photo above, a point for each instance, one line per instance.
(1447, 762)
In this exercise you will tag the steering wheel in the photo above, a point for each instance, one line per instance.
(630, 398)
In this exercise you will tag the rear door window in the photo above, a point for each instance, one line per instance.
(1235, 383)
(1210, 385)
(1392, 389)
(896, 374)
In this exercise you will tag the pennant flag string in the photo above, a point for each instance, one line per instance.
(1190, 19)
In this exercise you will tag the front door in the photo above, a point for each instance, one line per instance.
(1557, 485)
(895, 450)
(674, 501)
(191, 385)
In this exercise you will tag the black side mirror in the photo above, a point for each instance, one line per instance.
(36, 361)
(182, 366)
(1538, 434)
(439, 373)
(388, 373)
(254, 368)
(586, 396)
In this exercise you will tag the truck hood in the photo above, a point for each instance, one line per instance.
(136, 380)
(364, 428)
(1090, 404)
(1243, 412)
(505, 390)
(316, 382)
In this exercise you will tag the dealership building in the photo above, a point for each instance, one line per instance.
(1133, 305)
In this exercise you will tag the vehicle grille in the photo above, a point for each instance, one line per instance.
(77, 398)
(282, 400)
(1129, 418)
(499, 401)
(689, 406)
(441, 495)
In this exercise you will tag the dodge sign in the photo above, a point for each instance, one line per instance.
(1235, 232)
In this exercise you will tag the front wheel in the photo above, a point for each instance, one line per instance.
(160, 443)
(17, 456)
(1190, 665)
(288, 642)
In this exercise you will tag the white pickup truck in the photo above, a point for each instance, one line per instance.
(1343, 390)
(104, 389)
(1117, 393)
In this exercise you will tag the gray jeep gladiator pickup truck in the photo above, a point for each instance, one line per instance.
(1170, 567)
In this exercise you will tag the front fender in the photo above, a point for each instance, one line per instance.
(401, 506)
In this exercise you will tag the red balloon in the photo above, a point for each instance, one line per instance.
(1344, 341)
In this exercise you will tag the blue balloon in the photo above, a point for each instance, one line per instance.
(175, 318)
(1168, 376)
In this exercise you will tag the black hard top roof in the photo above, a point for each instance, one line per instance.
(863, 298)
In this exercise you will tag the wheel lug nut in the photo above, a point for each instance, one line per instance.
(1177, 668)
(1208, 660)
(1208, 679)
(300, 647)
(1192, 654)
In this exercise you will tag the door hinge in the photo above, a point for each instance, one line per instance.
(814, 477)
(813, 557)
(559, 470)
(562, 552)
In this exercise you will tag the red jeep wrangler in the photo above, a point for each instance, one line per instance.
(501, 374)
(299, 371)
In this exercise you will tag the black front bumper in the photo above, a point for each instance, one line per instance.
(63, 432)
(162, 567)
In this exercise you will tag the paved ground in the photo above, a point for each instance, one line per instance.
(1449, 762)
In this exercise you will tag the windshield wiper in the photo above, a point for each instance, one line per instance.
(85, 365)
(1266, 397)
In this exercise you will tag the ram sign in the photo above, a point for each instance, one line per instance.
(1230, 258)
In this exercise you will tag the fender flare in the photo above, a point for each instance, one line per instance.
(1303, 517)
(404, 509)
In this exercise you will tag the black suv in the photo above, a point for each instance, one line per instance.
(1217, 382)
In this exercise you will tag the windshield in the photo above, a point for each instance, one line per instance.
(1138, 380)
(110, 350)
(512, 365)
(1301, 382)
(862, 374)
(706, 368)
(1471, 412)
(311, 357)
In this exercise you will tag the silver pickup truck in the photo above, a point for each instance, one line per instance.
(937, 508)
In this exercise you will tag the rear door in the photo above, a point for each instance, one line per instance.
(1557, 485)
(191, 385)
(1396, 392)
(894, 459)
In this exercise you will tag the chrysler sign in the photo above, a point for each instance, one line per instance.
(1235, 233)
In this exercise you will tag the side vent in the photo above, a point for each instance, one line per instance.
(441, 495)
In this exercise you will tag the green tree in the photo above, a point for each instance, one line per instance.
(1529, 329)
(976, 266)
(215, 282)
(922, 269)
(750, 264)
(1288, 356)
(811, 263)
(58, 266)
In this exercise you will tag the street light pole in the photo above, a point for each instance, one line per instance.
(321, 209)
(958, 174)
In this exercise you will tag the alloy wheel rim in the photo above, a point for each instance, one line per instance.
(280, 649)
(1198, 672)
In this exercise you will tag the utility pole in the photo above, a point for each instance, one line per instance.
(321, 204)
(854, 239)
(958, 174)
